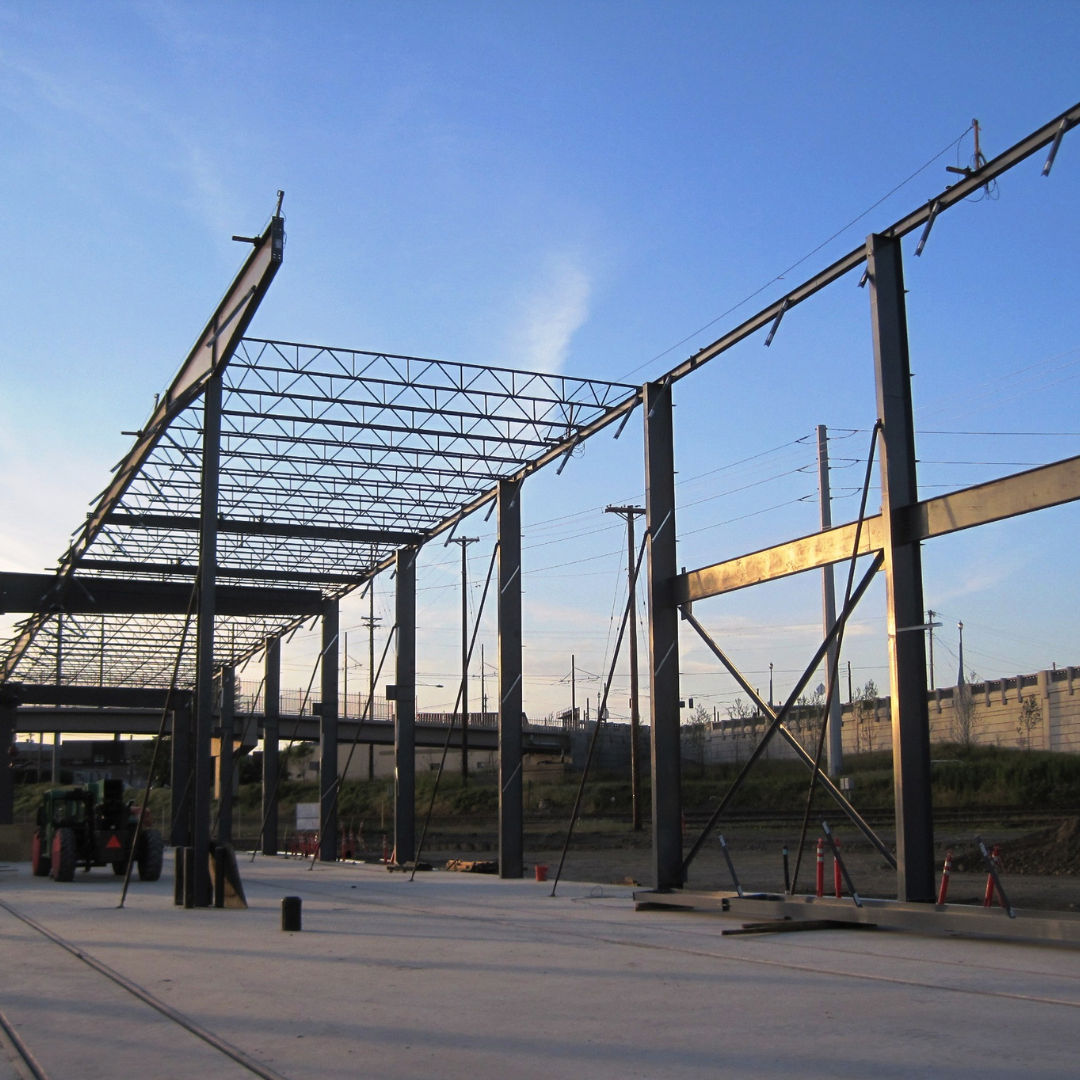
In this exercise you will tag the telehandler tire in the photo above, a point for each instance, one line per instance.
(40, 863)
(63, 855)
(151, 855)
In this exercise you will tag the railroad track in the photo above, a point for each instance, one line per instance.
(34, 1067)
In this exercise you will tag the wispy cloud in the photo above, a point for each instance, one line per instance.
(555, 309)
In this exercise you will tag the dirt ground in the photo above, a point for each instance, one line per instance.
(612, 854)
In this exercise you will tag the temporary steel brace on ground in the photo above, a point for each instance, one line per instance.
(1059, 927)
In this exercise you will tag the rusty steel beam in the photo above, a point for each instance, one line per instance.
(1021, 493)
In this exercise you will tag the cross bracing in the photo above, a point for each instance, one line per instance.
(330, 460)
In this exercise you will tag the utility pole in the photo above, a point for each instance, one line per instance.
(828, 610)
(960, 672)
(464, 542)
(930, 624)
(483, 688)
(770, 684)
(629, 513)
(573, 692)
(371, 622)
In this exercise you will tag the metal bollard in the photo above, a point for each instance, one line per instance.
(290, 914)
(838, 881)
(821, 866)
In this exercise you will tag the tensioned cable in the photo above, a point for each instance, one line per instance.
(352, 749)
(601, 715)
(834, 667)
(457, 705)
(795, 265)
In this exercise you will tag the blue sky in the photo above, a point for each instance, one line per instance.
(569, 186)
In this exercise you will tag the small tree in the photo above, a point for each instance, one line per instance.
(696, 728)
(740, 711)
(1030, 719)
(296, 757)
(811, 716)
(865, 706)
(963, 715)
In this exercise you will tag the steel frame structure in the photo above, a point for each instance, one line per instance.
(315, 466)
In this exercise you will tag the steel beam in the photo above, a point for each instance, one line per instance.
(204, 641)
(104, 697)
(511, 805)
(271, 762)
(1021, 493)
(663, 637)
(182, 522)
(405, 707)
(86, 595)
(226, 764)
(241, 572)
(8, 705)
(212, 349)
(903, 574)
(328, 735)
(180, 775)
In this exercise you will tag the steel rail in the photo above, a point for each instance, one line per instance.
(133, 988)
(22, 1049)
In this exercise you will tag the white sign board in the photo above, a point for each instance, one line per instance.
(307, 817)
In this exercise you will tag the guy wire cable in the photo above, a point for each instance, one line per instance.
(352, 749)
(600, 716)
(457, 704)
(835, 667)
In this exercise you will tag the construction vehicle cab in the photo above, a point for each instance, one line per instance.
(91, 826)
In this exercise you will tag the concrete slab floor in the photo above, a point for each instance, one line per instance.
(455, 976)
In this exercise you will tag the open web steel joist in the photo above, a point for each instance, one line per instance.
(330, 461)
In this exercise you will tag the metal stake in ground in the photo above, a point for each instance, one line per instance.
(992, 871)
(730, 865)
(840, 863)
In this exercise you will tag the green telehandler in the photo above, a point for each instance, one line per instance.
(89, 826)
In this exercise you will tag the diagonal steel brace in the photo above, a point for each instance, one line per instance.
(778, 724)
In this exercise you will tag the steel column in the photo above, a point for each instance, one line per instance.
(8, 708)
(204, 637)
(405, 707)
(225, 754)
(663, 637)
(328, 735)
(903, 575)
(180, 777)
(271, 763)
(511, 809)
